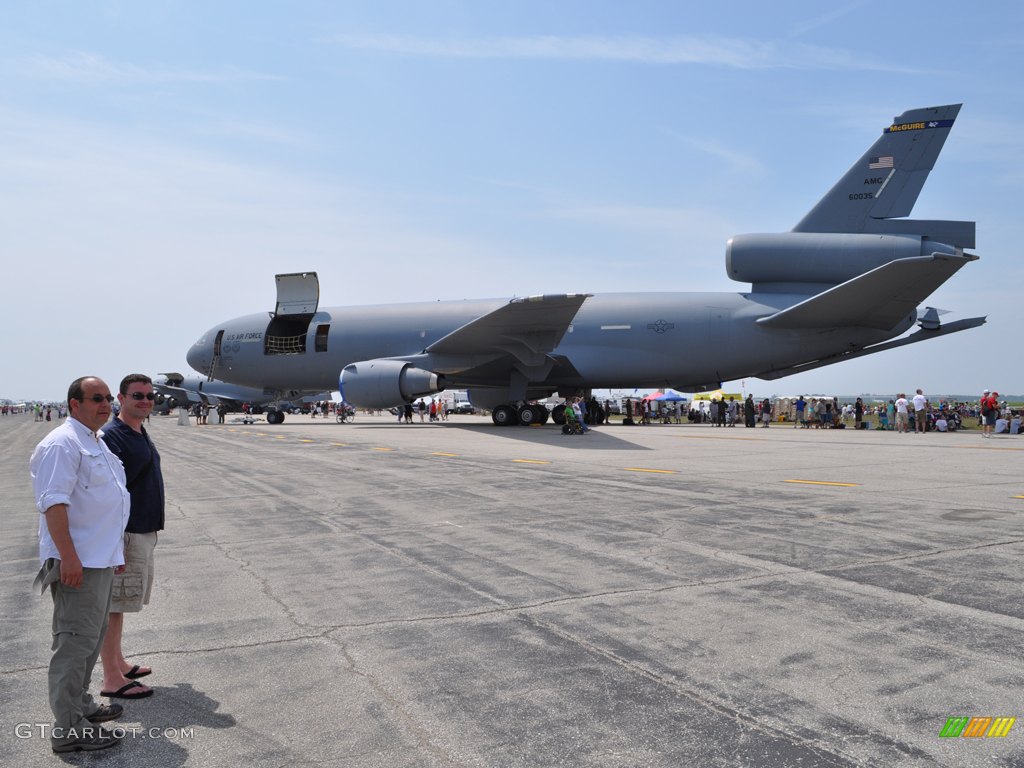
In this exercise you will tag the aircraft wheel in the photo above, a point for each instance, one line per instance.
(558, 414)
(529, 414)
(275, 417)
(504, 415)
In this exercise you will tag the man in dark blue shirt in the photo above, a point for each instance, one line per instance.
(128, 440)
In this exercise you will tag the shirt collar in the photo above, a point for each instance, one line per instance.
(84, 430)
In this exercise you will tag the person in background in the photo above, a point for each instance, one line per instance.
(989, 412)
(920, 411)
(902, 415)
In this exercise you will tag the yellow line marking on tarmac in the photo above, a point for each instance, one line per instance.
(822, 482)
(1017, 497)
(280, 437)
(443, 454)
(341, 445)
(654, 471)
(382, 449)
(302, 440)
(529, 461)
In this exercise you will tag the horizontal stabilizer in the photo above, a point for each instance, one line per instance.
(922, 335)
(527, 328)
(877, 299)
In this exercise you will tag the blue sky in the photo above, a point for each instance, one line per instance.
(161, 161)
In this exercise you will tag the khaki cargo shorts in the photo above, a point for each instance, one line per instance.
(133, 586)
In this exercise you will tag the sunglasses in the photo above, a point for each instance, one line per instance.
(142, 395)
(97, 398)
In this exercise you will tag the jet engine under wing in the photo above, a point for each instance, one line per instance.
(527, 329)
(879, 299)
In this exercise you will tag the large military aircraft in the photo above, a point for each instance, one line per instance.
(846, 281)
(182, 390)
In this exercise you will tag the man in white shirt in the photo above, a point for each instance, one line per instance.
(920, 411)
(902, 416)
(79, 488)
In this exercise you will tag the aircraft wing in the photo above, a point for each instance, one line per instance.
(180, 394)
(231, 402)
(878, 299)
(527, 329)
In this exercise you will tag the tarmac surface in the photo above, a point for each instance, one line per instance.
(378, 595)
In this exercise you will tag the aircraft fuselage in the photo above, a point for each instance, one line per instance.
(615, 340)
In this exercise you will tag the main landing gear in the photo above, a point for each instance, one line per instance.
(527, 414)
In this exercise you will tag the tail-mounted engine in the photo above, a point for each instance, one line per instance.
(822, 258)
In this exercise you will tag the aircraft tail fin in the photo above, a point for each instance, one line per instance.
(886, 181)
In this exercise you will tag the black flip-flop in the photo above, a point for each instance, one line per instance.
(122, 692)
(136, 672)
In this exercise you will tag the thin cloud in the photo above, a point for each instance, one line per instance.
(666, 222)
(90, 69)
(735, 161)
(825, 19)
(251, 131)
(734, 53)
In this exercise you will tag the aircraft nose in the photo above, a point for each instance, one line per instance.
(200, 356)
